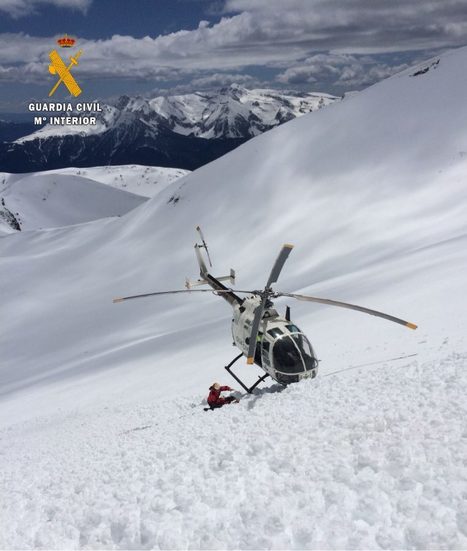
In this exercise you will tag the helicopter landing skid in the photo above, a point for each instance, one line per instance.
(239, 381)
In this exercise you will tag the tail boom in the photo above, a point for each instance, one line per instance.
(207, 279)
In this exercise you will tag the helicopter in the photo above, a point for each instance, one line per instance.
(267, 339)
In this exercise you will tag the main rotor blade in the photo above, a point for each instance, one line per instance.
(254, 330)
(278, 265)
(214, 291)
(350, 307)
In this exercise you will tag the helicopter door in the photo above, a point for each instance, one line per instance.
(258, 355)
(266, 348)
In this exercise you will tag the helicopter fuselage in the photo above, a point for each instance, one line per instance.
(282, 351)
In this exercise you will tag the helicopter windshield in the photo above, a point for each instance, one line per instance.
(305, 348)
(292, 354)
(286, 356)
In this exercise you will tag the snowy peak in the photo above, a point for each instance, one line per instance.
(234, 111)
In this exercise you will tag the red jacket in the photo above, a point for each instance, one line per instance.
(215, 397)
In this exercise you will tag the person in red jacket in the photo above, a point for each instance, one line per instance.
(215, 400)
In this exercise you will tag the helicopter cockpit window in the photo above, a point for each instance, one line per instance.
(293, 328)
(287, 357)
(275, 332)
(306, 350)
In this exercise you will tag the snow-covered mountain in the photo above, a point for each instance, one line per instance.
(235, 112)
(42, 201)
(105, 441)
(180, 131)
(147, 181)
(232, 112)
(72, 195)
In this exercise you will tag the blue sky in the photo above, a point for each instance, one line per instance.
(154, 47)
(104, 18)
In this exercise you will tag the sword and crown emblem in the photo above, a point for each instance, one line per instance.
(58, 67)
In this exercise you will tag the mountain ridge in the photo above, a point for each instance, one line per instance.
(185, 131)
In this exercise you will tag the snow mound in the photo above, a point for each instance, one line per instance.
(360, 460)
(147, 181)
(46, 201)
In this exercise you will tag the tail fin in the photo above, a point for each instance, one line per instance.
(203, 271)
(206, 277)
(203, 245)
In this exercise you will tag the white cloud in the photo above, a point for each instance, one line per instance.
(289, 35)
(21, 8)
(208, 82)
(218, 80)
(341, 70)
(297, 75)
(359, 26)
(163, 57)
(264, 32)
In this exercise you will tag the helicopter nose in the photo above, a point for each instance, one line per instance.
(286, 379)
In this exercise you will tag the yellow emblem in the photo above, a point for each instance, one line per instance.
(58, 67)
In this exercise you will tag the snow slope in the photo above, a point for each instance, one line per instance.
(372, 193)
(315, 466)
(75, 195)
(147, 181)
(46, 201)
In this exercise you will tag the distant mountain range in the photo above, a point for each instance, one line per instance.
(185, 131)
